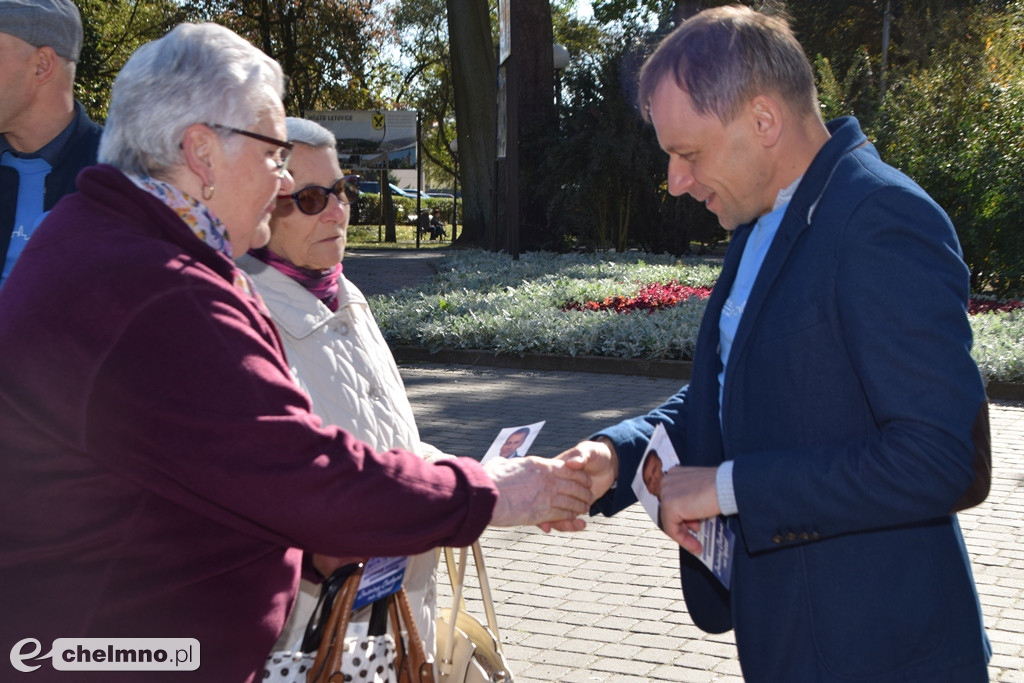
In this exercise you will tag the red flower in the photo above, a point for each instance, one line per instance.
(650, 298)
(976, 306)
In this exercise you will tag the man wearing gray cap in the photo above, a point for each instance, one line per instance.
(45, 135)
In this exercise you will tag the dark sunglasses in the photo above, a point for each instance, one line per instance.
(312, 199)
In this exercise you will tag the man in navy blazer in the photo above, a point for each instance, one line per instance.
(834, 418)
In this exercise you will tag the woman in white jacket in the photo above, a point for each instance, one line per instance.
(333, 345)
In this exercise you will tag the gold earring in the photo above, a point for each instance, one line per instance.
(207, 196)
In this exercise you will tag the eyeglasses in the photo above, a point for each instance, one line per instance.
(286, 147)
(312, 199)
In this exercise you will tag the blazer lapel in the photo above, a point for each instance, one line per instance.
(774, 261)
(704, 433)
(798, 217)
(720, 292)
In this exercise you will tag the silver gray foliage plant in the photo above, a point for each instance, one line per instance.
(485, 300)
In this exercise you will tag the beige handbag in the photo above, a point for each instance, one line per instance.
(469, 652)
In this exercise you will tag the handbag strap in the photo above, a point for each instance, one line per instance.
(449, 560)
(485, 590)
(457, 577)
(317, 625)
(332, 645)
(411, 661)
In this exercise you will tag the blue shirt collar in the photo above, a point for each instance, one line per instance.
(786, 194)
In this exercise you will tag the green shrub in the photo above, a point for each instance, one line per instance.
(957, 128)
(369, 209)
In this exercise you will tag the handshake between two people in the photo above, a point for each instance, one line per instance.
(580, 475)
(548, 492)
(553, 492)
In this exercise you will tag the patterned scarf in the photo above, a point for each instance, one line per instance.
(201, 221)
(323, 284)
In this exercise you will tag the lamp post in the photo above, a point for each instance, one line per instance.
(560, 60)
(454, 147)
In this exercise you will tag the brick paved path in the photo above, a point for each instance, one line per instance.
(379, 271)
(605, 604)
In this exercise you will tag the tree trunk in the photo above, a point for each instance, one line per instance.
(886, 23)
(473, 78)
(537, 118)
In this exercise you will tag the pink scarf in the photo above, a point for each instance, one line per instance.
(323, 284)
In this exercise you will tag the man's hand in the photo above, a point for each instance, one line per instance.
(688, 495)
(598, 459)
(535, 490)
(600, 462)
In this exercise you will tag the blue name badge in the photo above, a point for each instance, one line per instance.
(382, 576)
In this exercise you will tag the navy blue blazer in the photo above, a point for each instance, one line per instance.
(851, 409)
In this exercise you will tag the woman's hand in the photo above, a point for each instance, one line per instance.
(535, 490)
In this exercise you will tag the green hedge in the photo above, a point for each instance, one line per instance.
(369, 209)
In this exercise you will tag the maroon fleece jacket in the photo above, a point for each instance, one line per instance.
(159, 470)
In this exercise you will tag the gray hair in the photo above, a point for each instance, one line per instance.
(723, 57)
(311, 133)
(197, 73)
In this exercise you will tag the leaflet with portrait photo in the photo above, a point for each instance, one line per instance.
(717, 541)
(659, 457)
(513, 442)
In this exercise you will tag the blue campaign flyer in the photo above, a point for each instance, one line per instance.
(382, 576)
(717, 546)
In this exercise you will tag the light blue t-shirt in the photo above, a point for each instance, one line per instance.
(754, 252)
(31, 188)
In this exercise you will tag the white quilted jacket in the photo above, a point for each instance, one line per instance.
(341, 360)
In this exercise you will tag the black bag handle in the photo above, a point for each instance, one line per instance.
(328, 592)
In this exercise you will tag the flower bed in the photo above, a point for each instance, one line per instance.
(983, 305)
(619, 305)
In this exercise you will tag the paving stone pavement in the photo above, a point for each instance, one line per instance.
(379, 271)
(605, 604)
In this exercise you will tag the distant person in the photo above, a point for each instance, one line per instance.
(514, 441)
(423, 224)
(437, 226)
(834, 416)
(45, 135)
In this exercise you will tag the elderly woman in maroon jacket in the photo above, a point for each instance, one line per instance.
(160, 473)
